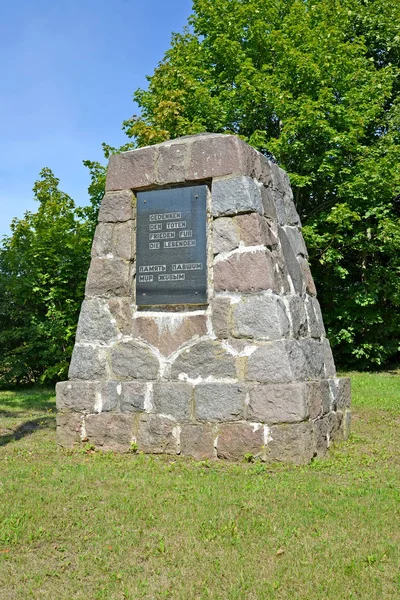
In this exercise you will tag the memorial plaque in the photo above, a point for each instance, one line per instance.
(171, 248)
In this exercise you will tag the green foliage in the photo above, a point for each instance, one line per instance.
(43, 267)
(313, 84)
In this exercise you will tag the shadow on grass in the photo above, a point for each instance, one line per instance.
(28, 428)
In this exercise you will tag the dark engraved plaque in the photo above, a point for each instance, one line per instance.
(171, 248)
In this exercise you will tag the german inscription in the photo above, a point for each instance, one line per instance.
(171, 252)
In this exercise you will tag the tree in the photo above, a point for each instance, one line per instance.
(43, 267)
(314, 85)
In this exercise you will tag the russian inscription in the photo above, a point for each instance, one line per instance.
(171, 249)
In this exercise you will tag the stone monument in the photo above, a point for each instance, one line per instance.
(201, 334)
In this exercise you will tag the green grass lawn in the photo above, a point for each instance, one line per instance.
(88, 525)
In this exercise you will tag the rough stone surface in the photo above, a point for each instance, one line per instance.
(171, 163)
(296, 240)
(110, 431)
(246, 272)
(108, 277)
(95, 322)
(221, 317)
(318, 398)
(291, 262)
(270, 364)
(314, 317)
(236, 195)
(197, 441)
(216, 156)
(124, 241)
(255, 230)
(108, 397)
(298, 315)
(87, 363)
(117, 207)
(131, 170)
(262, 317)
(157, 435)
(77, 396)
(291, 443)
(133, 396)
(129, 360)
(103, 240)
(343, 393)
(285, 403)
(329, 364)
(69, 426)
(121, 311)
(219, 401)
(309, 281)
(173, 400)
(225, 235)
(269, 204)
(321, 439)
(170, 331)
(204, 359)
(235, 440)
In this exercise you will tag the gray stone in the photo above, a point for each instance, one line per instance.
(77, 396)
(246, 272)
(278, 178)
(284, 403)
(219, 401)
(95, 322)
(108, 277)
(123, 240)
(173, 400)
(221, 317)
(116, 206)
(133, 395)
(262, 317)
(130, 360)
(308, 280)
(157, 435)
(296, 240)
(318, 398)
(298, 315)
(236, 195)
(171, 163)
(321, 439)
(343, 393)
(131, 170)
(313, 358)
(121, 311)
(197, 441)
(291, 443)
(316, 327)
(268, 197)
(236, 440)
(204, 359)
(87, 363)
(109, 396)
(335, 426)
(255, 230)
(329, 364)
(69, 427)
(225, 235)
(103, 240)
(216, 155)
(270, 364)
(110, 431)
(291, 262)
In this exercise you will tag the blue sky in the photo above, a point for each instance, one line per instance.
(68, 72)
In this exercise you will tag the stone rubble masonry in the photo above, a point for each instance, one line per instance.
(250, 373)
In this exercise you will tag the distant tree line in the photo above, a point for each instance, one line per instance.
(314, 85)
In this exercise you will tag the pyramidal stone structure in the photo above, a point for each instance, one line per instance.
(201, 334)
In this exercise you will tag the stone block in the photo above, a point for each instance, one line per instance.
(255, 230)
(96, 322)
(221, 317)
(215, 155)
(329, 364)
(335, 426)
(69, 427)
(282, 403)
(291, 443)
(219, 401)
(121, 311)
(343, 393)
(235, 440)
(103, 240)
(131, 170)
(318, 398)
(268, 199)
(236, 195)
(171, 163)
(316, 327)
(320, 432)
(77, 396)
(197, 441)
(204, 359)
(246, 272)
(123, 240)
(130, 360)
(117, 206)
(109, 399)
(108, 277)
(87, 362)
(296, 240)
(170, 331)
(270, 364)
(225, 235)
(262, 317)
(297, 311)
(110, 431)
(133, 396)
(173, 400)
(158, 434)
(308, 280)
(291, 262)
(312, 366)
